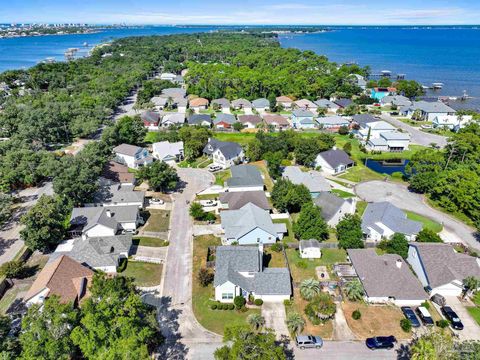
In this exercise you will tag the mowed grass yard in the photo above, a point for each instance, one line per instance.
(222, 176)
(144, 274)
(427, 223)
(158, 221)
(202, 297)
(474, 311)
(149, 241)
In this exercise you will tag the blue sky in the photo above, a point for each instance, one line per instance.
(435, 12)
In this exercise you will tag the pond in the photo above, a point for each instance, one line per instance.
(387, 166)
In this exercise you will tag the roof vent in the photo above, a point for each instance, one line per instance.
(109, 213)
(399, 263)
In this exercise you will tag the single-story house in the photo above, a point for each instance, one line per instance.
(310, 249)
(236, 200)
(117, 194)
(249, 121)
(159, 102)
(200, 120)
(452, 122)
(241, 104)
(224, 153)
(333, 123)
(392, 141)
(342, 103)
(224, 121)
(279, 122)
(118, 173)
(284, 101)
(261, 105)
(250, 225)
(386, 278)
(327, 104)
(428, 110)
(363, 119)
(305, 104)
(440, 268)
(334, 161)
(303, 119)
(180, 104)
(334, 208)
(150, 119)
(245, 178)
(197, 104)
(239, 271)
(396, 100)
(63, 277)
(168, 151)
(168, 76)
(174, 93)
(313, 180)
(382, 219)
(171, 119)
(102, 253)
(380, 92)
(132, 156)
(222, 104)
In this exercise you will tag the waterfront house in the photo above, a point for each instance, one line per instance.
(334, 161)
(386, 278)
(168, 151)
(284, 101)
(245, 178)
(224, 121)
(372, 130)
(303, 119)
(236, 200)
(150, 120)
(327, 104)
(428, 111)
(239, 271)
(382, 219)
(242, 104)
(305, 104)
(221, 104)
(224, 153)
(132, 156)
(440, 268)
(391, 141)
(379, 93)
(198, 103)
(333, 123)
(200, 120)
(395, 100)
(451, 122)
(333, 207)
(313, 180)
(261, 105)
(250, 121)
(250, 225)
(310, 249)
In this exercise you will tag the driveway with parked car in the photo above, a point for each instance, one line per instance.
(471, 331)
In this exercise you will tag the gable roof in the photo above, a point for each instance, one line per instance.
(88, 217)
(127, 149)
(198, 102)
(229, 149)
(238, 199)
(63, 277)
(325, 103)
(302, 113)
(395, 135)
(175, 118)
(150, 117)
(166, 149)
(390, 216)
(174, 93)
(238, 223)
(386, 275)
(329, 204)
(442, 264)
(312, 243)
(336, 157)
(398, 100)
(226, 118)
(432, 107)
(224, 103)
(305, 103)
(364, 119)
(260, 103)
(245, 175)
(333, 120)
(118, 194)
(343, 103)
(313, 180)
(117, 172)
(283, 98)
(381, 125)
(197, 119)
(272, 119)
(253, 119)
(241, 103)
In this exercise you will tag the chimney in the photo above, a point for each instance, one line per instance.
(399, 264)
(109, 213)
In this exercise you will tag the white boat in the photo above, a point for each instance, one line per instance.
(437, 85)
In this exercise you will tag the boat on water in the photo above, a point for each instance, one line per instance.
(437, 86)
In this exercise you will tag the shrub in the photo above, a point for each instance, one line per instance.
(287, 302)
(442, 323)
(406, 325)
(123, 265)
(13, 269)
(239, 302)
(231, 306)
(213, 306)
(243, 309)
(425, 304)
(258, 302)
(356, 315)
(205, 277)
(277, 247)
(302, 264)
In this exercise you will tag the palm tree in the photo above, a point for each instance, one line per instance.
(354, 290)
(470, 283)
(256, 321)
(295, 322)
(309, 288)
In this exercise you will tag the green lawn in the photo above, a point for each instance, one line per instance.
(361, 206)
(10, 296)
(427, 223)
(474, 312)
(151, 137)
(238, 137)
(149, 241)
(273, 259)
(222, 176)
(262, 166)
(304, 268)
(158, 221)
(201, 162)
(202, 297)
(360, 173)
(144, 274)
(343, 194)
(290, 236)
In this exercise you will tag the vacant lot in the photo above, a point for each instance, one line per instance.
(158, 221)
(144, 274)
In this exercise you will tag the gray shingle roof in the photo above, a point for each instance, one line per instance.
(118, 194)
(245, 176)
(261, 103)
(343, 103)
(175, 118)
(276, 119)
(165, 149)
(395, 135)
(333, 120)
(127, 149)
(253, 119)
(432, 107)
(174, 93)
(391, 216)
(273, 281)
(397, 100)
(313, 180)
(382, 277)
(336, 157)
(442, 264)
(88, 217)
(324, 103)
(197, 119)
(312, 243)
(226, 118)
(224, 103)
(329, 204)
(241, 103)
(238, 199)
(229, 149)
(363, 119)
(302, 113)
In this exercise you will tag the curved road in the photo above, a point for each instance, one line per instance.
(399, 195)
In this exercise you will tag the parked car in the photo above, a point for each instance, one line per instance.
(208, 203)
(452, 316)
(439, 300)
(308, 341)
(381, 342)
(213, 168)
(154, 201)
(410, 315)
(425, 316)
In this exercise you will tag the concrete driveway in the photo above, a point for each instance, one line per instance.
(275, 316)
(215, 229)
(400, 196)
(341, 331)
(471, 330)
(417, 136)
(150, 254)
(345, 350)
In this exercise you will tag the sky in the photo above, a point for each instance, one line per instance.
(221, 12)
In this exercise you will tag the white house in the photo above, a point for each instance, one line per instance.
(372, 130)
(284, 101)
(250, 225)
(239, 271)
(167, 151)
(334, 208)
(249, 121)
(333, 123)
(334, 161)
(132, 156)
(440, 268)
(303, 119)
(392, 141)
(168, 76)
(224, 153)
(310, 249)
(428, 110)
(169, 119)
(305, 104)
(452, 122)
(386, 278)
(261, 105)
(327, 104)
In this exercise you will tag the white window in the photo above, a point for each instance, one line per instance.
(227, 296)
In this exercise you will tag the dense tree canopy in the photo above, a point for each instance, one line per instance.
(349, 232)
(287, 196)
(128, 130)
(310, 223)
(160, 176)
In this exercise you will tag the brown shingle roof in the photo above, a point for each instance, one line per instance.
(118, 173)
(276, 119)
(65, 278)
(237, 199)
(254, 119)
(284, 99)
(199, 102)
